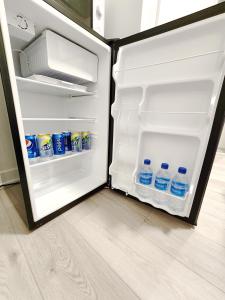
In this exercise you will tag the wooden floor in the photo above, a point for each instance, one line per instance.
(112, 247)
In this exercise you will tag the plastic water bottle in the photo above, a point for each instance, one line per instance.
(179, 186)
(162, 178)
(145, 175)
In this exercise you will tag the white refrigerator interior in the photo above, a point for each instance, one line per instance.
(48, 107)
(167, 89)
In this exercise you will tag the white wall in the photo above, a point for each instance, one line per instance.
(122, 18)
(174, 9)
(8, 165)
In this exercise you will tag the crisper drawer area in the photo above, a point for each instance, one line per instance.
(55, 56)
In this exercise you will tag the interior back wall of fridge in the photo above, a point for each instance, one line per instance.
(55, 183)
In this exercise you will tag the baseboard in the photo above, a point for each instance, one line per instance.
(9, 176)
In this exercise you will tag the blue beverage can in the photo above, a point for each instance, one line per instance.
(67, 141)
(76, 140)
(86, 140)
(32, 146)
(58, 143)
(45, 145)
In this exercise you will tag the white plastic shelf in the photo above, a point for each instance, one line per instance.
(60, 119)
(161, 199)
(189, 122)
(55, 159)
(34, 86)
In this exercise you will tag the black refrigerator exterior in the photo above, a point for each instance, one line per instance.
(214, 137)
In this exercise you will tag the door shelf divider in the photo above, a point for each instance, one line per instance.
(55, 159)
(31, 85)
(155, 193)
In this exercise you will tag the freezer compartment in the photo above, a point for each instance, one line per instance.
(53, 55)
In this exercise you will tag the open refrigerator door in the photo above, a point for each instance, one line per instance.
(167, 90)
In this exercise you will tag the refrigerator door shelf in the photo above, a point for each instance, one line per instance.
(174, 205)
(191, 123)
(187, 96)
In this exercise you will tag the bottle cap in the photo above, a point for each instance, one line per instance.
(182, 170)
(147, 161)
(164, 166)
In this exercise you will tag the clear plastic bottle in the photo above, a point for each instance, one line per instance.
(162, 178)
(179, 185)
(145, 175)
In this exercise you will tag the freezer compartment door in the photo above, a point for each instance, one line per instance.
(168, 108)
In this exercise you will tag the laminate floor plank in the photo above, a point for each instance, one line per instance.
(64, 264)
(118, 238)
(16, 279)
(184, 242)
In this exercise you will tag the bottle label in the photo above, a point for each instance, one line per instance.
(145, 178)
(162, 183)
(179, 188)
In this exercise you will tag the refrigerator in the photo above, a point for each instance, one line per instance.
(158, 94)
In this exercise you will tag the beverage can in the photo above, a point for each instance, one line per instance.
(32, 146)
(45, 145)
(67, 141)
(86, 140)
(76, 141)
(58, 143)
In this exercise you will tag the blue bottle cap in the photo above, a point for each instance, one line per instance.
(164, 166)
(147, 161)
(182, 170)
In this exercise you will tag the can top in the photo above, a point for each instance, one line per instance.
(43, 134)
(57, 133)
